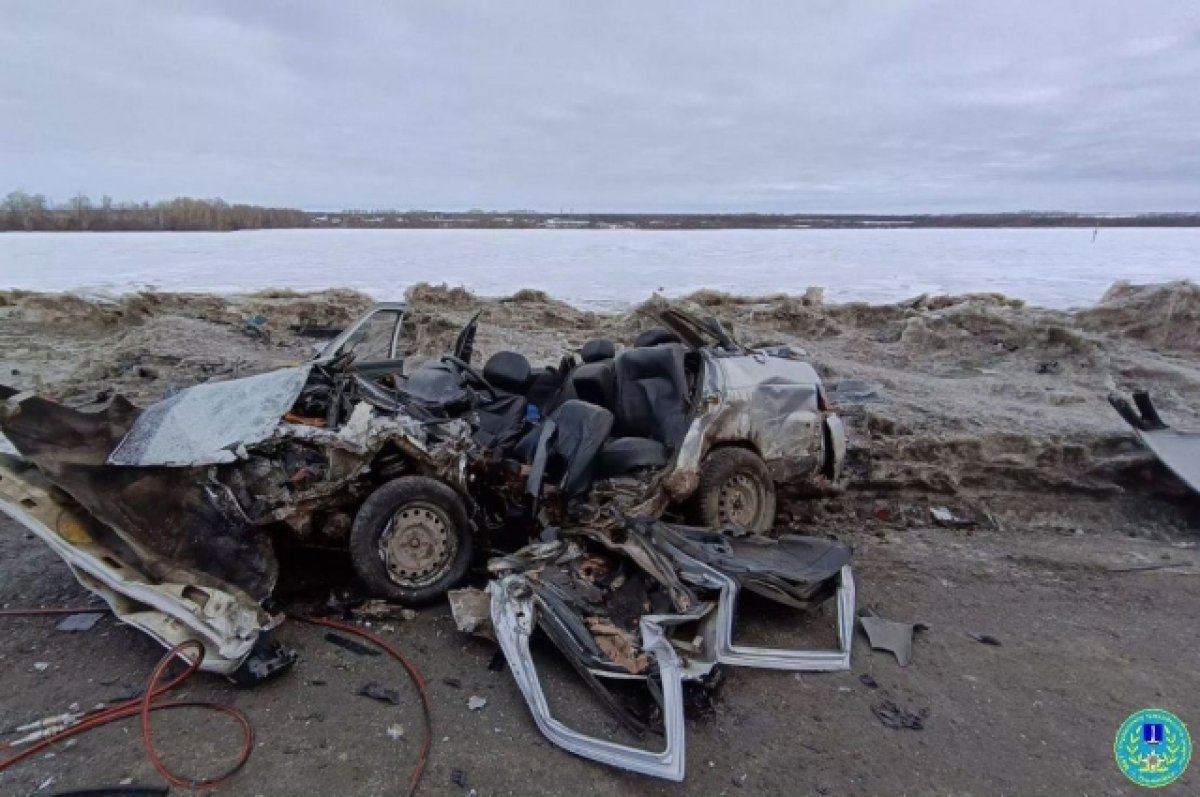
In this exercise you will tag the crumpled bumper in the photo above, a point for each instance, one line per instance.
(231, 627)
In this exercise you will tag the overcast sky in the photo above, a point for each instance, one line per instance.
(799, 105)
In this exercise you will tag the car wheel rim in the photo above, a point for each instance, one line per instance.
(418, 545)
(740, 501)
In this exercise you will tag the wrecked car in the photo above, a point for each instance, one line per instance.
(193, 497)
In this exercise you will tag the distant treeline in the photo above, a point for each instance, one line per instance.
(22, 211)
(30, 212)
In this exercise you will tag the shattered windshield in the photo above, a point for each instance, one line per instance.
(375, 340)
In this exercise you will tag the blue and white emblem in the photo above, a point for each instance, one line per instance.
(1153, 747)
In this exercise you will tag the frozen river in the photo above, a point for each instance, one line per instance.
(602, 269)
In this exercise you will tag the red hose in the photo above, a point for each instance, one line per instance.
(145, 704)
(142, 706)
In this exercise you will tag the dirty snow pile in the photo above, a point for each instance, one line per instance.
(945, 396)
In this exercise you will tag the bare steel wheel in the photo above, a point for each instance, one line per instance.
(740, 500)
(735, 489)
(411, 540)
(417, 544)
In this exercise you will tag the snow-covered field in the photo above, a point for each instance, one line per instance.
(607, 269)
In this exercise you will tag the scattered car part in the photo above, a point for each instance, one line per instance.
(893, 716)
(889, 635)
(942, 516)
(122, 790)
(727, 652)
(357, 648)
(78, 622)
(377, 691)
(761, 566)
(1178, 450)
(472, 613)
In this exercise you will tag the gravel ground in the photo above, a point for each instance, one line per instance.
(1082, 647)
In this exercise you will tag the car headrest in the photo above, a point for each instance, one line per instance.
(508, 371)
(655, 336)
(597, 349)
(650, 362)
(595, 383)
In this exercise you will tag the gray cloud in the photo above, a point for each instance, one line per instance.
(674, 106)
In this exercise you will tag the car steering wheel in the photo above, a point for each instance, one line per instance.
(466, 370)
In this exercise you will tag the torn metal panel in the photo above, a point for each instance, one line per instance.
(1178, 450)
(798, 660)
(889, 635)
(514, 615)
(209, 423)
(176, 520)
(227, 623)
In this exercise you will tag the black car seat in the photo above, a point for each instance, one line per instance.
(655, 336)
(596, 383)
(566, 448)
(547, 384)
(597, 349)
(650, 409)
(595, 380)
(509, 372)
(502, 416)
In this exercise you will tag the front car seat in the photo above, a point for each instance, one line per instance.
(650, 410)
(502, 418)
(597, 350)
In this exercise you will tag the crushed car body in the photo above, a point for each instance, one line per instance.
(178, 512)
(616, 624)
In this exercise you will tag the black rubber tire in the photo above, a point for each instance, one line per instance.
(371, 521)
(718, 468)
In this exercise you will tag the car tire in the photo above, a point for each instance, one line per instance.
(736, 489)
(411, 540)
